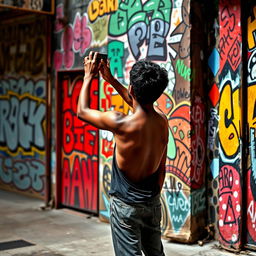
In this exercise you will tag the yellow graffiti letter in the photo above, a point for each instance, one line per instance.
(112, 5)
(103, 7)
(93, 10)
(229, 128)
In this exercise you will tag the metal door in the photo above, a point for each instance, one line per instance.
(78, 145)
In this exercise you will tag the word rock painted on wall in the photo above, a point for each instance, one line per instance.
(230, 208)
(28, 174)
(22, 123)
(143, 23)
(98, 8)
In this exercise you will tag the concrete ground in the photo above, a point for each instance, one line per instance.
(69, 233)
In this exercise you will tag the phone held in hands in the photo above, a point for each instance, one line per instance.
(103, 56)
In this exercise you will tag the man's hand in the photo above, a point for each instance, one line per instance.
(91, 66)
(105, 72)
(108, 77)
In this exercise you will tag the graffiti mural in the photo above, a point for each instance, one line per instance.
(146, 23)
(159, 31)
(23, 105)
(251, 101)
(229, 124)
(79, 160)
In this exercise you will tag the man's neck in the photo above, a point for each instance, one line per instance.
(142, 107)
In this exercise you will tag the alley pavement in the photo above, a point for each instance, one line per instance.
(24, 223)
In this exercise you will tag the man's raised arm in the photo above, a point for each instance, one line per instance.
(107, 76)
(109, 120)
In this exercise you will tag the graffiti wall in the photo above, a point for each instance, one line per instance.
(23, 105)
(161, 32)
(251, 92)
(224, 125)
(230, 169)
(79, 146)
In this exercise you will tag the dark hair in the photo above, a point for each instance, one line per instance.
(148, 80)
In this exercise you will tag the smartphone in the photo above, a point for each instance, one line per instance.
(102, 56)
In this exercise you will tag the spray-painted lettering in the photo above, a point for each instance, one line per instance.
(23, 174)
(98, 8)
(21, 123)
(132, 18)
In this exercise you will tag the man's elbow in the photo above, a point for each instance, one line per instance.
(78, 111)
(81, 113)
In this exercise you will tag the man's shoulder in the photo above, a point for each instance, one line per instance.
(161, 113)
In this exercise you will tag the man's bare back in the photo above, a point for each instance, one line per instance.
(141, 138)
(141, 143)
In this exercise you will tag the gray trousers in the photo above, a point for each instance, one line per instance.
(136, 227)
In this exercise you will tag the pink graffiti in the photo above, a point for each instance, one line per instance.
(229, 205)
(59, 25)
(65, 57)
(67, 40)
(82, 34)
(74, 38)
(57, 59)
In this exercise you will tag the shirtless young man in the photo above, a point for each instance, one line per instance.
(139, 157)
